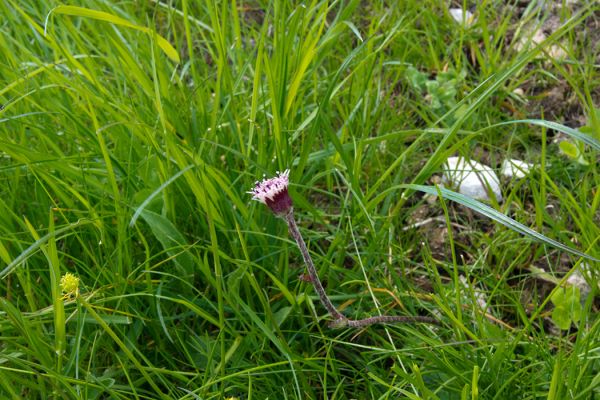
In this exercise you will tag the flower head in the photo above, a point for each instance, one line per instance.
(69, 284)
(274, 193)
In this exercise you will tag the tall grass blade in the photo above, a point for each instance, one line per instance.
(574, 133)
(497, 216)
(115, 20)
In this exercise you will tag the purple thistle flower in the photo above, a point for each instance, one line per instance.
(274, 193)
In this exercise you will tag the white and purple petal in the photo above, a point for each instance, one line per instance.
(274, 192)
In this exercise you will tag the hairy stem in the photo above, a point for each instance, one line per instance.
(391, 319)
(340, 321)
(312, 271)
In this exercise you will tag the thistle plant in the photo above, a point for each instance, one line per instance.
(273, 192)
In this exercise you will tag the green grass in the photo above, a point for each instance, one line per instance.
(130, 169)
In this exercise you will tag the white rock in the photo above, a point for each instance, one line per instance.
(480, 297)
(512, 168)
(471, 178)
(577, 279)
(530, 39)
(557, 52)
(462, 17)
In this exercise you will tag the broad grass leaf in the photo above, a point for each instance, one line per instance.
(574, 133)
(113, 19)
(153, 195)
(172, 241)
(496, 216)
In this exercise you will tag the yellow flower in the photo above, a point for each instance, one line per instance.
(69, 284)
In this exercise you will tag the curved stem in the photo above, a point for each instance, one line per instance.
(340, 321)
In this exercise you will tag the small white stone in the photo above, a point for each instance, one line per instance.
(512, 168)
(480, 297)
(462, 17)
(577, 279)
(538, 37)
(519, 92)
(529, 40)
(471, 178)
(557, 52)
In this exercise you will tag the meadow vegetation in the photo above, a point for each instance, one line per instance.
(131, 132)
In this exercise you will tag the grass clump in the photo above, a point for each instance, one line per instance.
(130, 133)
